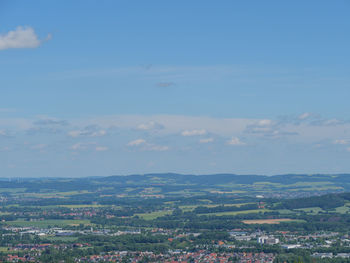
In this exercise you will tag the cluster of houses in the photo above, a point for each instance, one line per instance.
(16, 258)
(57, 231)
(331, 255)
(261, 237)
(289, 240)
(181, 256)
(41, 247)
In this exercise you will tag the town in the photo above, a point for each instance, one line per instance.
(107, 222)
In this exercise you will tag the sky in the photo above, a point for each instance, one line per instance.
(99, 88)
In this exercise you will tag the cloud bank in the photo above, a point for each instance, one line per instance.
(21, 37)
(130, 142)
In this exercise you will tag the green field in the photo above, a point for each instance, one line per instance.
(342, 209)
(154, 215)
(297, 186)
(59, 239)
(187, 208)
(46, 223)
(311, 210)
(12, 190)
(54, 194)
(285, 211)
(3, 249)
(4, 213)
(82, 206)
(232, 213)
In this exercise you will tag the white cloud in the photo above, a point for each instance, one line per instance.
(82, 146)
(21, 37)
(90, 131)
(176, 126)
(193, 132)
(152, 125)
(329, 122)
(342, 142)
(304, 116)
(51, 122)
(6, 133)
(173, 124)
(98, 133)
(158, 148)
(206, 140)
(101, 148)
(78, 146)
(147, 146)
(137, 142)
(235, 141)
(74, 133)
(3, 133)
(264, 122)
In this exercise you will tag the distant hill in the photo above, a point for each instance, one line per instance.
(328, 201)
(239, 179)
(288, 185)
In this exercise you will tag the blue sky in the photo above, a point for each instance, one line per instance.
(118, 87)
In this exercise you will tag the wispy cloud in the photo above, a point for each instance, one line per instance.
(82, 146)
(269, 128)
(308, 118)
(152, 125)
(48, 125)
(5, 133)
(328, 122)
(21, 37)
(235, 141)
(137, 142)
(51, 121)
(304, 116)
(158, 148)
(101, 148)
(165, 84)
(206, 140)
(193, 132)
(341, 141)
(146, 146)
(78, 146)
(174, 129)
(89, 131)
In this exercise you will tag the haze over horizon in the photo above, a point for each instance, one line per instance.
(96, 88)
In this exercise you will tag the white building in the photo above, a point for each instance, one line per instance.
(268, 240)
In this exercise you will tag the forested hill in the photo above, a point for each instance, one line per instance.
(233, 178)
(288, 185)
(326, 202)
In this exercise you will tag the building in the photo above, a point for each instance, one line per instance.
(268, 240)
